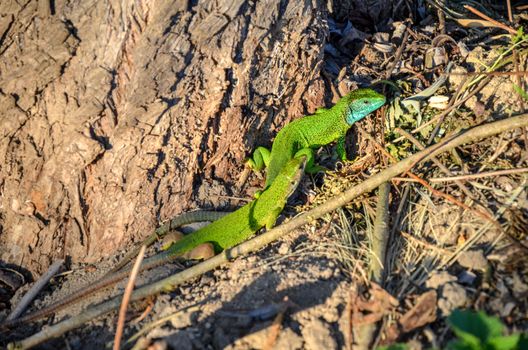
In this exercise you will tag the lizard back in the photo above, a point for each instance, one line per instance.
(321, 128)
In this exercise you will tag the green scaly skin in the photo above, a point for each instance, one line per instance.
(180, 220)
(311, 132)
(224, 233)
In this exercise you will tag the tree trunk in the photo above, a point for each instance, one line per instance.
(114, 118)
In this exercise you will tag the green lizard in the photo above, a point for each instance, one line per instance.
(180, 220)
(314, 131)
(224, 233)
(294, 144)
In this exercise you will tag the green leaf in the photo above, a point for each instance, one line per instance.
(523, 342)
(459, 344)
(425, 132)
(393, 150)
(469, 325)
(507, 342)
(397, 346)
(519, 36)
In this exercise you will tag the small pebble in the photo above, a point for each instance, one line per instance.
(473, 260)
(327, 273)
(181, 320)
(453, 296)
(284, 249)
(508, 308)
(439, 278)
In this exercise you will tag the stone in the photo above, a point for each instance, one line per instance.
(473, 260)
(439, 278)
(453, 296)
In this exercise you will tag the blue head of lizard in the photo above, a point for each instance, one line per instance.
(359, 103)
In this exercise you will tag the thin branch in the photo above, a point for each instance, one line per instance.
(171, 282)
(495, 74)
(467, 176)
(487, 18)
(35, 289)
(380, 236)
(397, 56)
(476, 176)
(126, 298)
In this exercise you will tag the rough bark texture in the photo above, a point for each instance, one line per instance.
(114, 118)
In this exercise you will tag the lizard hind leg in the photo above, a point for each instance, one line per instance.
(272, 218)
(260, 159)
(311, 167)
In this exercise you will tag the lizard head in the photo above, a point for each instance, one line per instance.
(359, 103)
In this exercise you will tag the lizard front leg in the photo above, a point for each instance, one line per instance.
(340, 149)
(260, 159)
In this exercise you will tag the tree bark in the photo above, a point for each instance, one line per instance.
(118, 114)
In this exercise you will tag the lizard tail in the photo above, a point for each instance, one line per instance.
(180, 220)
(113, 277)
(103, 283)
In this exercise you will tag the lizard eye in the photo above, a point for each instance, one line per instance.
(366, 102)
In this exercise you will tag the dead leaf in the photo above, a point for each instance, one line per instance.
(371, 310)
(423, 312)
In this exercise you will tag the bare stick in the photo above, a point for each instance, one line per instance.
(171, 282)
(468, 176)
(37, 287)
(495, 74)
(380, 236)
(487, 18)
(126, 298)
(476, 176)
(397, 56)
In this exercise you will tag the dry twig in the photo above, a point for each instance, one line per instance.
(487, 18)
(126, 298)
(380, 235)
(37, 287)
(480, 175)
